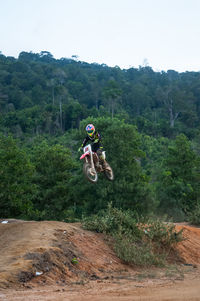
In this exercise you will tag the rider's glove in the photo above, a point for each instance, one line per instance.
(80, 149)
(96, 140)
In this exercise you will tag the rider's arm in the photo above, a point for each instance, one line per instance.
(85, 141)
(97, 138)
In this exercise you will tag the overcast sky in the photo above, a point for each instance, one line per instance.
(127, 33)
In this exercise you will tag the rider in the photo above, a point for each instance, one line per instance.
(95, 138)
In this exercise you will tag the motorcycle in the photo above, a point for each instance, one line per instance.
(92, 165)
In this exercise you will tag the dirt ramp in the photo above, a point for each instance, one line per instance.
(60, 253)
(16, 241)
(53, 252)
(189, 249)
(59, 261)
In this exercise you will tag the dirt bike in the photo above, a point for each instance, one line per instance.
(92, 165)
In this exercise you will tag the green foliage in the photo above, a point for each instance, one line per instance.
(113, 220)
(161, 103)
(16, 176)
(194, 215)
(54, 166)
(140, 254)
(130, 189)
(74, 261)
(42, 98)
(178, 187)
(111, 93)
(137, 241)
(161, 233)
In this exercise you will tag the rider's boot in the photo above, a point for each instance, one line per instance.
(104, 164)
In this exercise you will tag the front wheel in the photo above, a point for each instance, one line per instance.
(90, 174)
(108, 172)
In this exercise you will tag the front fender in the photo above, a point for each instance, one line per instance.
(84, 155)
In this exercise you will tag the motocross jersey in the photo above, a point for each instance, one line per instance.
(96, 144)
(95, 139)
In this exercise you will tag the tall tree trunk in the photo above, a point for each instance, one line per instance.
(173, 116)
(112, 107)
(53, 96)
(96, 103)
(61, 126)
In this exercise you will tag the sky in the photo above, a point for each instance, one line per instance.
(163, 34)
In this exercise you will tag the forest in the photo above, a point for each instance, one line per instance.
(150, 127)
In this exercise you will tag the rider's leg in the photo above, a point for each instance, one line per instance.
(102, 157)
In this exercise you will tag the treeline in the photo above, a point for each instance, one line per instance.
(43, 179)
(39, 94)
(150, 127)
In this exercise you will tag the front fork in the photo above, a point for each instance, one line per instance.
(93, 171)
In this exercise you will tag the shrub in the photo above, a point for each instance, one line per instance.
(161, 233)
(136, 240)
(138, 253)
(194, 216)
(112, 221)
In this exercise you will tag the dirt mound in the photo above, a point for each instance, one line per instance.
(45, 252)
(49, 252)
(189, 249)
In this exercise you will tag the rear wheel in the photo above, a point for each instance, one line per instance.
(90, 173)
(108, 172)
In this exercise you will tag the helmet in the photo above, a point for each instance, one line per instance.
(90, 129)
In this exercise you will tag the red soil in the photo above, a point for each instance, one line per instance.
(75, 264)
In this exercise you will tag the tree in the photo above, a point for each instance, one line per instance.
(16, 175)
(177, 187)
(130, 189)
(54, 167)
(112, 92)
(175, 100)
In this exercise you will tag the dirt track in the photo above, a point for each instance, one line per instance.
(78, 265)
